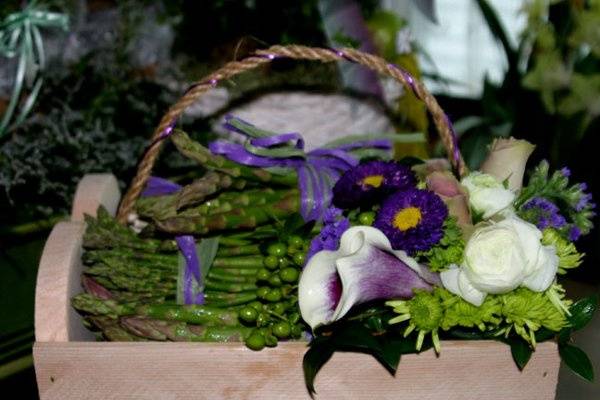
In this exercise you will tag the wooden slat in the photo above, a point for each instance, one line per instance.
(60, 266)
(464, 370)
(68, 367)
(94, 190)
(59, 277)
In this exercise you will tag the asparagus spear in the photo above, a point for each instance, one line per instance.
(193, 314)
(90, 304)
(230, 287)
(112, 330)
(238, 262)
(241, 218)
(252, 249)
(137, 272)
(221, 300)
(216, 275)
(229, 201)
(116, 257)
(95, 289)
(195, 151)
(180, 331)
(105, 232)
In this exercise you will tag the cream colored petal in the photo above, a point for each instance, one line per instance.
(543, 277)
(456, 281)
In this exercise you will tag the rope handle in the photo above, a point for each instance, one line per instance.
(296, 52)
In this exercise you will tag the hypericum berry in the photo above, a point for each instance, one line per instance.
(282, 329)
(277, 249)
(256, 341)
(271, 262)
(295, 241)
(289, 274)
(248, 314)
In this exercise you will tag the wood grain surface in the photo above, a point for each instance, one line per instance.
(92, 191)
(464, 370)
(69, 365)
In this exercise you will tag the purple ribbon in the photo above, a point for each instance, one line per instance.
(317, 170)
(192, 276)
(159, 187)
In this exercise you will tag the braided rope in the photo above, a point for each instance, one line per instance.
(261, 57)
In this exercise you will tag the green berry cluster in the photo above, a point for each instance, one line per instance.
(275, 314)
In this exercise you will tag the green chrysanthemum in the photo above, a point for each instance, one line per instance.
(526, 311)
(449, 250)
(556, 295)
(568, 255)
(459, 312)
(425, 313)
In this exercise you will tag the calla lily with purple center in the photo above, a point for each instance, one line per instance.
(364, 268)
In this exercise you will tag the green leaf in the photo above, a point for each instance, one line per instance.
(521, 352)
(471, 334)
(207, 251)
(295, 225)
(356, 337)
(410, 161)
(582, 312)
(392, 350)
(564, 336)
(498, 31)
(543, 334)
(577, 361)
(319, 352)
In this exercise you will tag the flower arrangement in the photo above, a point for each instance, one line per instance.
(423, 255)
(344, 248)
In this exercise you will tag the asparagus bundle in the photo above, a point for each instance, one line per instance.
(129, 293)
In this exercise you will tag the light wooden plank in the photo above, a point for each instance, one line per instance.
(94, 190)
(68, 368)
(464, 370)
(58, 279)
(60, 266)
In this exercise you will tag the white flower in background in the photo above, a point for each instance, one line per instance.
(501, 257)
(507, 160)
(487, 195)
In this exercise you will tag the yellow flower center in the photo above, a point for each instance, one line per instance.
(407, 218)
(373, 180)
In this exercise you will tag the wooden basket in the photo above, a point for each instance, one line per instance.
(70, 365)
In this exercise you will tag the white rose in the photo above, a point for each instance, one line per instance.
(487, 195)
(501, 257)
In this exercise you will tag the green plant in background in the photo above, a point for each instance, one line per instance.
(549, 96)
(565, 60)
(551, 88)
(20, 37)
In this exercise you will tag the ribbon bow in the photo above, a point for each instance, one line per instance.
(20, 36)
(317, 170)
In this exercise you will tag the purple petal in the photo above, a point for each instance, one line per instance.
(159, 187)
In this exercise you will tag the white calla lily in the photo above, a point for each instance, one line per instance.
(364, 268)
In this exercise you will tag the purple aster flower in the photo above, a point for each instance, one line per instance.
(584, 201)
(574, 233)
(329, 237)
(367, 183)
(543, 213)
(412, 219)
(566, 172)
(331, 215)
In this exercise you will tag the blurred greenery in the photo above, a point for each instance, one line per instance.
(550, 93)
(550, 96)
